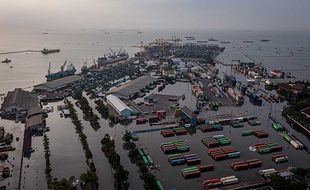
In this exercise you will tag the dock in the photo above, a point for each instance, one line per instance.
(21, 51)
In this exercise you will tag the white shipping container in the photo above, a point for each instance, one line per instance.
(266, 170)
(301, 146)
(230, 181)
(228, 177)
(294, 144)
(267, 174)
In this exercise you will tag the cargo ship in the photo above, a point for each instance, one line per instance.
(62, 73)
(264, 40)
(189, 37)
(47, 51)
(6, 61)
(212, 40)
(112, 58)
(248, 41)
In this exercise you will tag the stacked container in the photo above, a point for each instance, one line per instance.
(223, 153)
(210, 128)
(264, 148)
(280, 158)
(277, 126)
(177, 146)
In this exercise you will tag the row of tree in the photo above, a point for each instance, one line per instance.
(102, 109)
(145, 174)
(120, 174)
(87, 110)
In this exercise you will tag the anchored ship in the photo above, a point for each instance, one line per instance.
(112, 58)
(6, 61)
(47, 51)
(62, 73)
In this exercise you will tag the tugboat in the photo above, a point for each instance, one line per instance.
(6, 61)
(47, 51)
(62, 73)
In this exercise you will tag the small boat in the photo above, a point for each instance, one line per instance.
(264, 40)
(225, 42)
(6, 61)
(11, 67)
(248, 41)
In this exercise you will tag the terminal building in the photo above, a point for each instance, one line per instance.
(19, 100)
(57, 84)
(118, 105)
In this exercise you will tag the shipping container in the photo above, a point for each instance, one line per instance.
(206, 168)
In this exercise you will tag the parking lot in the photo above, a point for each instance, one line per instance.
(162, 102)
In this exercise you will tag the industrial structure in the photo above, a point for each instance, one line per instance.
(118, 105)
(132, 88)
(57, 84)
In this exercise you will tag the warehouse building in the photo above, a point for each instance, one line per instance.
(57, 84)
(132, 88)
(119, 106)
(19, 100)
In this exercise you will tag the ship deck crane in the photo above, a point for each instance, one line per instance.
(63, 66)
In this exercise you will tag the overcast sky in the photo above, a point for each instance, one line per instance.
(158, 14)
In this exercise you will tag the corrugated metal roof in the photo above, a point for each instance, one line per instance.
(117, 103)
(52, 85)
(20, 98)
(134, 86)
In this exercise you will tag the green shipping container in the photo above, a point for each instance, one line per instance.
(150, 159)
(287, 138)
(159, 185)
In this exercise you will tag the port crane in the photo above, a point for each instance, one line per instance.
(63, 66)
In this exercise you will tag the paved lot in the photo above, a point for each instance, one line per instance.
(226, 101)
(162, 103)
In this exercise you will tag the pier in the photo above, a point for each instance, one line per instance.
(21, 51)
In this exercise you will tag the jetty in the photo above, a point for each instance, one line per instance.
(21, 51)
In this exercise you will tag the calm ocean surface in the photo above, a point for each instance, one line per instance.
(289, 51)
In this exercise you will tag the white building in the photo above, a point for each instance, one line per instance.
(120, 107)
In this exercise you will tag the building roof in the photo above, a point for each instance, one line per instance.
(20, 98)
(187, 111)
(34, 111)
(34, 121)
(133, 86)
(117, 103)
(58, 83)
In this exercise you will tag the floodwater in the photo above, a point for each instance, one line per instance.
(67, 156)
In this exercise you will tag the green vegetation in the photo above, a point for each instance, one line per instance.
(102, 109)
(120, 174)
(148, 178)
(87, 111)
(82, 136)
(294, 111)
(279, 183)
